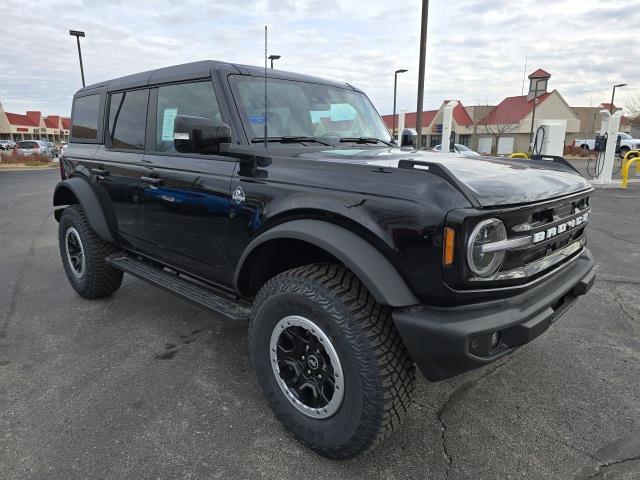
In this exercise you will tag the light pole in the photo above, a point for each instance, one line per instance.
(78, 34)
(613, 95)
(272, 58)
(423, 54)
(395, 89)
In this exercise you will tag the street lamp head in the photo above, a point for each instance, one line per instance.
(402, 70)
(274, 57)
(76, 33)
(620, 85)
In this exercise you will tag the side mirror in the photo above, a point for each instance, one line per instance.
(200, 135)
(408, 137)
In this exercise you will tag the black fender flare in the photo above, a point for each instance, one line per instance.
(89, 199)
(380, 277)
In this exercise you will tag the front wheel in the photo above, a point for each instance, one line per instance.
(330, 360)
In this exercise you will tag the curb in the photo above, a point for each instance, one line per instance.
(22, 169)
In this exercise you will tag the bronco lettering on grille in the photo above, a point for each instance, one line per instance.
(560, 228)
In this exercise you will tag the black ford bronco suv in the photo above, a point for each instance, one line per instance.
(290, 206)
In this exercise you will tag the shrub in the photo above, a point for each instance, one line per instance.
(12, 158)
(575, 151)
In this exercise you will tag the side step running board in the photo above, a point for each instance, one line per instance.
(208, 298)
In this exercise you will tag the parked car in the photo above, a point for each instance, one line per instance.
(351, 259)
(47, 147)
(7, 144)
(52, 148)
(627, 142)
(460, 149)
(30, 147)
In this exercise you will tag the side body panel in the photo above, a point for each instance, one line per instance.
(118, 173)
(407, 230)
(185, 216)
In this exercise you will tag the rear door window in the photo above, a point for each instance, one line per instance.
(127, 120)
(84, 122)
(196, 99)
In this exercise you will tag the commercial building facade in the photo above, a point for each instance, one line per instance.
(508, 127)
(33, 126)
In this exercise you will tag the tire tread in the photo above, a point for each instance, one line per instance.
(390, 376)
(102, 280)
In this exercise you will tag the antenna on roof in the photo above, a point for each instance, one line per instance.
(265, 90)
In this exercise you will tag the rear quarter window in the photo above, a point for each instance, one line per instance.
(84, 122)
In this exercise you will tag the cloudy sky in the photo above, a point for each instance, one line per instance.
(476, 49)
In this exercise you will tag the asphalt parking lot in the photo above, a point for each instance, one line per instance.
(144, 385)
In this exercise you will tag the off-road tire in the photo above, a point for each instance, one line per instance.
(624, 151)
(378, 371)
(99, 279)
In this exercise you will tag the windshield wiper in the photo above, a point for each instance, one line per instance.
(365, 140)
(290, 139)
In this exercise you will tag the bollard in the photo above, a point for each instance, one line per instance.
(630, 157)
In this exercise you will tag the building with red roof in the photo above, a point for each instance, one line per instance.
(505, 128)
(432, 124)
(508, 127)
(33, 126)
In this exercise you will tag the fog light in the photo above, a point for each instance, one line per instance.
(495, 339)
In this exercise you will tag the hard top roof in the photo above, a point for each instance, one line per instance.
(195, 70)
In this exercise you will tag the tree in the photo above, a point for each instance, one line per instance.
(498, 130)
(633, 110)
(497, 125)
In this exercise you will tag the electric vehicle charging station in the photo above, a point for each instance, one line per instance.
(446, 126)
(606, 146)
(549, 138)
(401, 116)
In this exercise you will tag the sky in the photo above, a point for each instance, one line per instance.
(476, 49)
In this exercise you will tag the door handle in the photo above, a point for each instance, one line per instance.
(101, 172)
(151, 180)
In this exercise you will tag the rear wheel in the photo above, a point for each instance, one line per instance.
(330, 360)
(83, 254)
(623, 151)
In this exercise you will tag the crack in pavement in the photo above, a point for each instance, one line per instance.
(618, 452)
(15, 291)
(600, 468)
(617, 297)
(455, 396)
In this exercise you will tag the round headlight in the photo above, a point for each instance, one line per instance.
(484, 264)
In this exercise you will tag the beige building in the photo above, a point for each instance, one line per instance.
(590, 121)
(510, 125)
(33, 126)
(462, 125)
(507, 127)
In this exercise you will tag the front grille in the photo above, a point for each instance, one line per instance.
(553, 217)
(546, 253)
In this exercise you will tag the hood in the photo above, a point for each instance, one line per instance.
(491, 181)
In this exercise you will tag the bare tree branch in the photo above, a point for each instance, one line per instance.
(498, 128)
(633, 109)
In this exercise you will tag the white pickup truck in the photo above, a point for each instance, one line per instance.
(627, 142)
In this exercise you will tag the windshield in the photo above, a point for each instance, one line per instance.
(462, 148)
(625, 136)
(301, 109)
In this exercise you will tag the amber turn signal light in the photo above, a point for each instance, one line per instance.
(449, 245)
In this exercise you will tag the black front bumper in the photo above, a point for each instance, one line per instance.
(445, 342)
